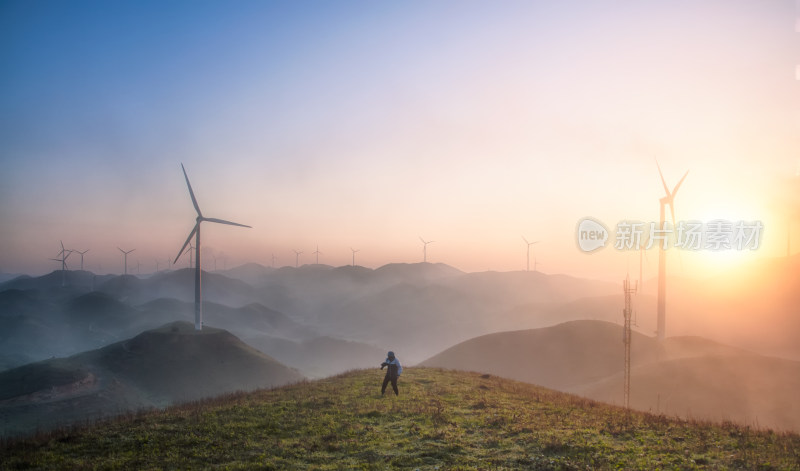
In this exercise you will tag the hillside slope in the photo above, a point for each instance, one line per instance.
(156, 368)
(559, 357)
(441, 420)
(684, 376)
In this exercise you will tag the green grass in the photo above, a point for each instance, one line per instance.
(441, 420)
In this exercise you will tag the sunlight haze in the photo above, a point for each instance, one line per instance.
(369, 125)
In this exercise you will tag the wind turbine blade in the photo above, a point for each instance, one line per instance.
(526, 240)
(188, 239)
(191, 193)
(423, 240)
(222, 221)
(679, 184)
(666, 188)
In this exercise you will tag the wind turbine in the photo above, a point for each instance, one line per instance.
(63, 254)
(126, 258)
(354, 254)
(274, 259)
(198, 296)
(297, 258)
(535, 264)
(425, 248)
(668, 199)
(317, 253)
(528, 255)
(81, 254)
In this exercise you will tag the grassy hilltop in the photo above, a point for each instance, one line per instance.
(444, 419)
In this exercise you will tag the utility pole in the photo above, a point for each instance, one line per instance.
(626, 337)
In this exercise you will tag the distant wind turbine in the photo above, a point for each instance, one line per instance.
(198, 296)
(126, 258)
(354, 254)
(297, 258)
(274, 259)
(317, 253)
(425, 248)
(528, 255)
(668, 199)
(64, 254)
(81, 254)
(535, 264)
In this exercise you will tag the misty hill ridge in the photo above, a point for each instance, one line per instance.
(442, 419)
(181, 363)
(173, 363)
(686, 376)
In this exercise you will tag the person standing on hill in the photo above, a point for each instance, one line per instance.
(392, 372)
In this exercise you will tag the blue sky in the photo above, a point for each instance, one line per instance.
(368, 124)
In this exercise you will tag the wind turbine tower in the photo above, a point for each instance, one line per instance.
(198, 296)
(528, 255)
(317, 253)
(297, 258)
(81, 254)
(354, 254)
(668, 199)
(63, 254)
(425, 248)
(626, 337)
(126, 258)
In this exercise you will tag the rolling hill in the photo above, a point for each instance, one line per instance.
(441, 420)
(173, 363)
(685, 376)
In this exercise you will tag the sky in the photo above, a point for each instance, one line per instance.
(355, 125)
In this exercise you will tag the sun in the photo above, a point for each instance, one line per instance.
(731, 236)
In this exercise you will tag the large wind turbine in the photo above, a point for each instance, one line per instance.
(198, 296)
(354, 254)
(126, 258)
(528, 255)
(425, 248)
(63, 254)
(668, 199)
